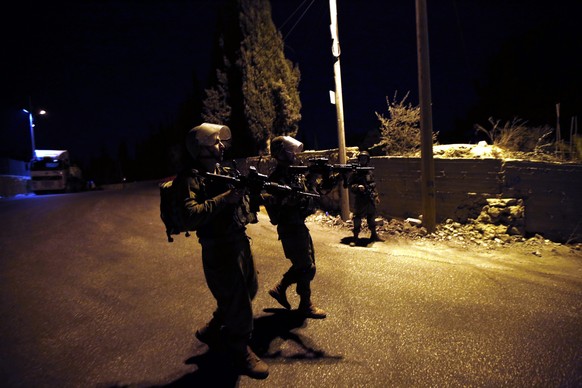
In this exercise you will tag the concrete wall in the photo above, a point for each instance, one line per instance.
(13, 167)
(14, 178)
(551, 192)
(552, 195)
(461, 185)
(12, 185)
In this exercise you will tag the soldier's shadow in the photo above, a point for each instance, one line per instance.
(358, 242)
(279, 325)
(212, 370)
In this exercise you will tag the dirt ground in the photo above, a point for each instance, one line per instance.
(458, 236)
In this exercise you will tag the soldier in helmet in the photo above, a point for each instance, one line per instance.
(220, 215)
(361, 183)
(289, 213)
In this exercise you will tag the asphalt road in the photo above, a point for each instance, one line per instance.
(92, 295)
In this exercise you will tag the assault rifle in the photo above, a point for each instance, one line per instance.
(256, 183)
(329, 172)
(321, 166)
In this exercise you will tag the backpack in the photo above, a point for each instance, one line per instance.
(174, 195)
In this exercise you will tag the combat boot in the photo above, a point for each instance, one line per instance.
(209, 334)
(375, 237)
(247, 363)
(353, 242)
(279, 293)
(308, 310)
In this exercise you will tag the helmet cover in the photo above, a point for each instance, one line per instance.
(204, 135)
(285, 146)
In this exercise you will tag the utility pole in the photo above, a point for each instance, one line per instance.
(30, 114)
(558, 130)
(335, 50)
(427, 159)
(31, 124)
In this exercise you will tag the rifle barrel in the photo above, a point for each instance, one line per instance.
(258, 182)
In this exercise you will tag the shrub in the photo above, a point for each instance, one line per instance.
(400, 132)
(516, 136)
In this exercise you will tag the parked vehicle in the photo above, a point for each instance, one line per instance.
(51, 171)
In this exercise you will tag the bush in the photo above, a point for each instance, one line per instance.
(516, 136)
(400, 132)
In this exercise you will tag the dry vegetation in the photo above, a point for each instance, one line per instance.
(519, 141)
(400, 131)
(514, 139)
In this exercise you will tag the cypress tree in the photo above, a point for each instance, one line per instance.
(255, 89)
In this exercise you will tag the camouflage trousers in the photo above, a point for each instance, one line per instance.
(364, 208)
(231, 276)
(298, 248)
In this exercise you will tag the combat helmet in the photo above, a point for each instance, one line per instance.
(364, 157)
(285, 148)
(203, 135)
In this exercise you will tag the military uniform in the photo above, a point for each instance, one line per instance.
(289, 213)
(219, 214)
(365, 201)
(226, 256)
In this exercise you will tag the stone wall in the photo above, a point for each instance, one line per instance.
(552, 195)
(551, 192)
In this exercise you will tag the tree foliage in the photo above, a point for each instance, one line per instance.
(255, 90)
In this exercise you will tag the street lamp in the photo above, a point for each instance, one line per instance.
(31, 122)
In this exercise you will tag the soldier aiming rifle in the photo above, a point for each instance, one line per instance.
(325, 176)
(289, 215)
(221, 214)
(362, 184)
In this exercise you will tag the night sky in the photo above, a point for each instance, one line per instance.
(109, 72)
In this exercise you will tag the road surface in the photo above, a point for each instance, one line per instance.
(92, 295)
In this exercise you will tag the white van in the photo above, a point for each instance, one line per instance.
(51, 170)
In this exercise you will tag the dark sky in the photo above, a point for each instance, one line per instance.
(114, 71)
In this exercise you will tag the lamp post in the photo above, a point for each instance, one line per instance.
(31, 123)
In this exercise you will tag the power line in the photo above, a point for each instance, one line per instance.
(298, 20)
(293, 13)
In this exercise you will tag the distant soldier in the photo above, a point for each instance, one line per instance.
(362, 184)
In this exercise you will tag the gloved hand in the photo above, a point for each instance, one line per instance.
(232, 196)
